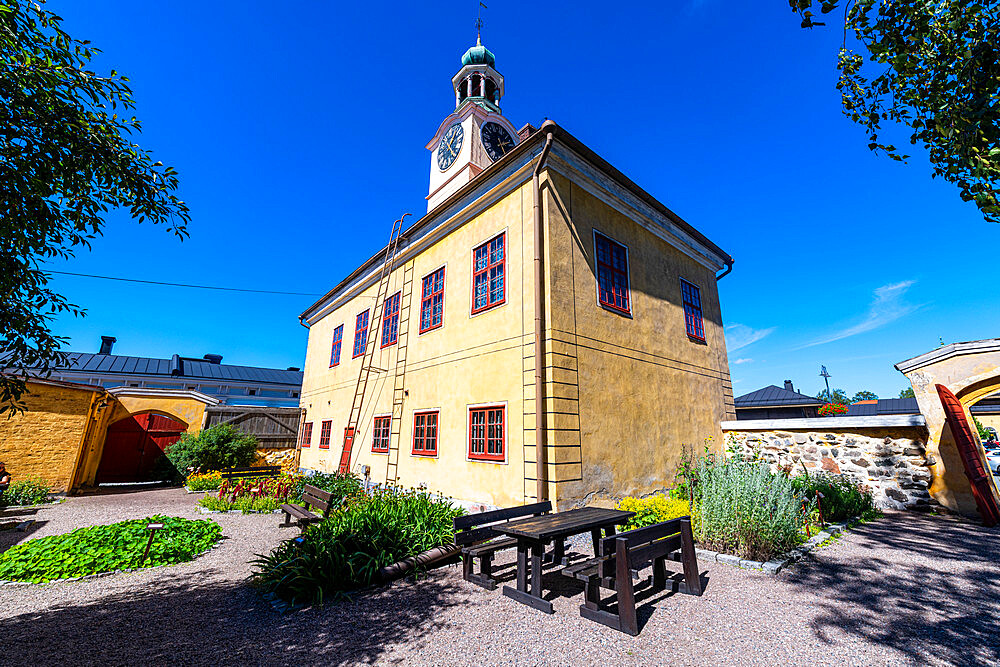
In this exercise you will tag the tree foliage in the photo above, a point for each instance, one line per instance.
(67, 159)
(839, 397)
(906, 393)
(864, 395)
(933, 65)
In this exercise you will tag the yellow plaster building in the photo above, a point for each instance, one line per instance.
(539, 270)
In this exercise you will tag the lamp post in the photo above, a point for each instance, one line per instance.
(826, 376)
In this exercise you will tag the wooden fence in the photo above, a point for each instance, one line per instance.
(275, 428)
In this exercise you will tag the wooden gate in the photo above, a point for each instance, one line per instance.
(274, 428)
(133, 445)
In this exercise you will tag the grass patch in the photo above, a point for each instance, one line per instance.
(118, 546)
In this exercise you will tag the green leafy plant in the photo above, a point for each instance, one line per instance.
(68, 156)
(843, 498)
(31, 491)
(344, 552)
(654, 509)
(864, 395)
(341, 485)
(984, 435)
(742, 508)
(245, 504)
(214, 448)
(118, 546)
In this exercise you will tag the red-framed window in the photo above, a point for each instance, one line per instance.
(390, 320)
(324, 433)
(380, 434)
(691, 296)
(338, 338)
(486, 433)
(425, 433)
(489, 267)
(612, 274)
(432, 301)
(360, 334)
(307, 434)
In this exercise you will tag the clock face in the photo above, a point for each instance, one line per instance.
(451, 144)
(496, 140)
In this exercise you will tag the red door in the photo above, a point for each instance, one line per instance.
(134, 444)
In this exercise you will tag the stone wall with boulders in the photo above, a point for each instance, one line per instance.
(892, 462)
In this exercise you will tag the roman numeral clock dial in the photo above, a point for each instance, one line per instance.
(496, 140)
(451, 144)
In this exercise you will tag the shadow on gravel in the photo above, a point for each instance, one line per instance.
(11, 536)
(941, 609)
(192, 619)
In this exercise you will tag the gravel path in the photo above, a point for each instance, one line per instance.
(908, 589)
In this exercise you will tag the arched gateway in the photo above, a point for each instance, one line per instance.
(970, 371)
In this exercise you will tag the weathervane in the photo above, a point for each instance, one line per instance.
(826, 376)
(479, 22)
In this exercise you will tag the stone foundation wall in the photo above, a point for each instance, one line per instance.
(892, 462)
(284, 457)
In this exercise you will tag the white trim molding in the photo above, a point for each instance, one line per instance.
(151, 392)
(949, 351)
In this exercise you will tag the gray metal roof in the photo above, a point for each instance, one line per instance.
(884, 406)
(773, 396)
(111, 364)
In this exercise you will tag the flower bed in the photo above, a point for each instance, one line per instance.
(31, 491)
(118, 546)
(267, 494)
(345, 552)
(209, 481)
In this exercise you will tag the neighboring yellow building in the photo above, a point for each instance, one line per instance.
(630, 327)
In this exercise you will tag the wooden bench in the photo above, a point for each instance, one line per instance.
(622, 556)
(479, 540)
(245, 473)
(312, 497)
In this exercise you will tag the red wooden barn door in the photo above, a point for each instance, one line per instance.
(134, 444)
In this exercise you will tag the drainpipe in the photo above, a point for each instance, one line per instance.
(541, 491)
(729, 267)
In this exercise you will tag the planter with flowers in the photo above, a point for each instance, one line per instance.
(832, 410)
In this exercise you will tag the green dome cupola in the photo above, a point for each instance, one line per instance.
(478, 81)
(479, 55)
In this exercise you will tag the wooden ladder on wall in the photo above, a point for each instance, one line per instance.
(398, 386)
(371, 344)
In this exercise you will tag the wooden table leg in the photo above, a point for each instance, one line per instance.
(521, 594)
(559, 551)
(596, 536)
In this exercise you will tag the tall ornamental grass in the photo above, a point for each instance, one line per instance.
(345, 551)
(744, 509)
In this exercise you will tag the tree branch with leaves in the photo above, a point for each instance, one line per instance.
(932, 65)
(67, 159)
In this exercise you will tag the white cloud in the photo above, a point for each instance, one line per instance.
(739, 336)
(888, 305)
(743, 361)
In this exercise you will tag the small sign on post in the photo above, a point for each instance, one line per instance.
(152, 528)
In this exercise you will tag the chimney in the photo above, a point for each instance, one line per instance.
(107, 342)
(213, 358)
(788, 385)
(293, 368)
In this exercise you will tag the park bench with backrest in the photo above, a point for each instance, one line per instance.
(312, 498)
(622, 556)
(246, 473)
(479, 539)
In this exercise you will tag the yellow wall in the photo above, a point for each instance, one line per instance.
(469, 360)
(642, 388)
(46, 440)
(622, 395)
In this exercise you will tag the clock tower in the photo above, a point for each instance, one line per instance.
(476, 134)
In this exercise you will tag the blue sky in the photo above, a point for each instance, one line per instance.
(299, 132)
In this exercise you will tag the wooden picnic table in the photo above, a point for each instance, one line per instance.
(533, 533)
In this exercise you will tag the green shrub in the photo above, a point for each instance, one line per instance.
(744, 509)
(655, 509)
(345, 551)
(341, 485)
(118, 546)
(843, 498)
(214, 448)
(245, 504)
(31, 491)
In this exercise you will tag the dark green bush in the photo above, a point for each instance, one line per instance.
(214, 448)
(843, 498)
(346, 485)
(118, 546)
(344, 552)
(26, 492)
